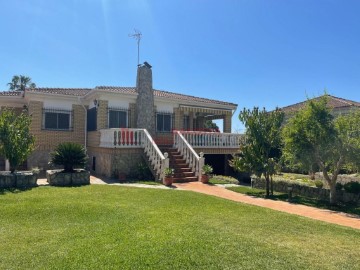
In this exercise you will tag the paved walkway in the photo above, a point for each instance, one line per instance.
(334, 217)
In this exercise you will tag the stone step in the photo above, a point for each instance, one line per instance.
(185, 179)
(184, 169)
(183, 174)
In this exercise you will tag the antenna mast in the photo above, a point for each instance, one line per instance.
(137, 35)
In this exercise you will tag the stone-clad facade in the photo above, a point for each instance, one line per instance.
(145, 114)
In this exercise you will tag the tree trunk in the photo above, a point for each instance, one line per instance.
(333, 199)
(312, 175)
(272, 185)
(267, 185)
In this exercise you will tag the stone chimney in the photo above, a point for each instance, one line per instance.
(145, 99)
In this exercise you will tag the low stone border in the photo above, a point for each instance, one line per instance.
(307, 191)
(18, 179)
(60, 178)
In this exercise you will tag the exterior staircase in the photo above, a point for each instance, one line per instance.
(182, 171)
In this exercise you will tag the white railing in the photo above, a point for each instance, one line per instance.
(136, 138)
(195, 161)
(213, 139)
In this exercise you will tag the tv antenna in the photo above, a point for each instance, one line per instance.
(137, 35)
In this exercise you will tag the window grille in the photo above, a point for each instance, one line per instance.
(164, 122)
(118, 117)
(57, 119)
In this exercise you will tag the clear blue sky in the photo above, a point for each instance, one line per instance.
(254, 53)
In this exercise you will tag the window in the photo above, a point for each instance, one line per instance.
(91, 119)
(57, 119)
(118, 118)
(163, 122)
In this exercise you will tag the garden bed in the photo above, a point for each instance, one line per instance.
(17, 179)
(305, 189)
(61, 178)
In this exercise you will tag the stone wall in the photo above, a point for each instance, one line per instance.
(17, 180)
(60, 178)
(111, 162)
(307, 191)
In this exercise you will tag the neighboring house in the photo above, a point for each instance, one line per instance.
(336, 105)
(124, 126)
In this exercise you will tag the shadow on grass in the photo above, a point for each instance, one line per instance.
(313, 202)
(4, 191)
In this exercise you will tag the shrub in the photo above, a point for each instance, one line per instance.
(352, 187)
(143, 172)
(16, 141)
(69, 155)
(339, 186)
(207, 169)
(319, 183)
(168, 172)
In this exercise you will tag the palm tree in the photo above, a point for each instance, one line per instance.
(19, 83)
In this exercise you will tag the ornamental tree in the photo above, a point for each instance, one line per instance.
(20, 82)
(16, 142)
(260, 153)
(314, 135)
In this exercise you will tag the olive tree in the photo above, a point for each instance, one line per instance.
(260, 152)
(314, 135)
(16, 141)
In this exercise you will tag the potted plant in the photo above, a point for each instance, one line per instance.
(168, 176)
(206, 171)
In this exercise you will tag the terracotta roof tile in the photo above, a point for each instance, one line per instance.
(126, 90)
(61, 91)
(333, 103)
(11, 93)
(165, 94)
(120, 89)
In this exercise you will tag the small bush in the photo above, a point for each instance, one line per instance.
(207, 169)
(339, 186)
(69, 155)
(319, 183)
(352, 187)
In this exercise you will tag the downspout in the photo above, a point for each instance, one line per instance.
(85, 124)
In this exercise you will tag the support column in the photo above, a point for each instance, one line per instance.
(227, 123)
(7, 165)
(102, 114)
(179, 119)
(191, 121)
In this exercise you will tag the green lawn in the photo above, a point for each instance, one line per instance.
(114, 227)
(347, 208)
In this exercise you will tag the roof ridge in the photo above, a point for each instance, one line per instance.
(347, 101)
(186, 95)
(333, 99)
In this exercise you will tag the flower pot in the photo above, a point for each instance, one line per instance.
(205, 178)
(168, 181)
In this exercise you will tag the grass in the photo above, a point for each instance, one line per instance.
(347, 208)
(116, 227)
(144, 182)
